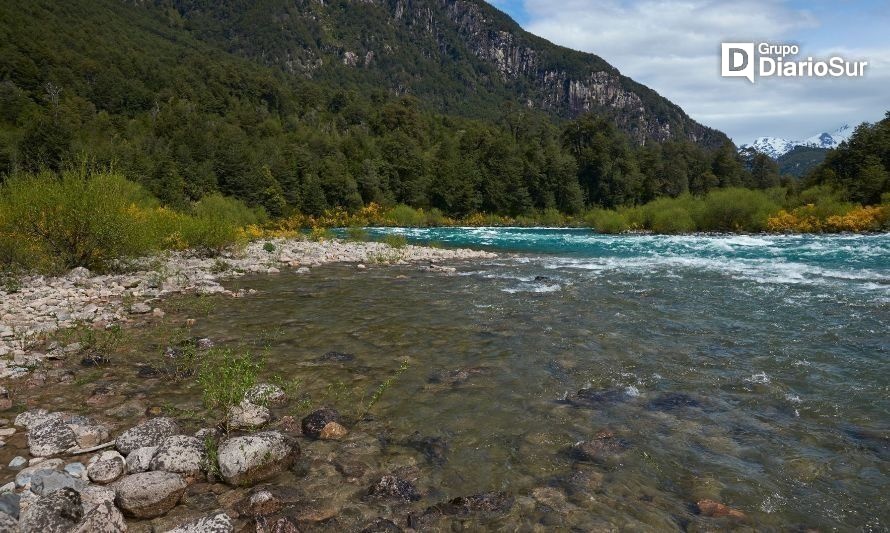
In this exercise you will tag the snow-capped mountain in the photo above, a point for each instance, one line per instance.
(776, 147)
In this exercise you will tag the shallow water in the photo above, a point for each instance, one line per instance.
(751, 370)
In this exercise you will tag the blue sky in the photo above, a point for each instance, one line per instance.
(673, 47)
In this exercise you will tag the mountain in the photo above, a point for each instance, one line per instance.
(776, 147)
(458, 56)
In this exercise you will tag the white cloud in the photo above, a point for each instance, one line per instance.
(673, 46)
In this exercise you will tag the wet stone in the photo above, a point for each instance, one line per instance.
(316, 421)
(382, 525)
(486, 505)
(597, 397)
(393, 488)
(218, 523)
(336, 357)
(604, 447)
(671, 401)
(434, 449)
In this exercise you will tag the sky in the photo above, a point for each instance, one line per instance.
(673, 46)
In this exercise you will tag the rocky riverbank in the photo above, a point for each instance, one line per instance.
(40, 305)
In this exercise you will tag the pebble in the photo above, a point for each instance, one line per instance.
(18, 462)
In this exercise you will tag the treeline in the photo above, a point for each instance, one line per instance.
(186, 120)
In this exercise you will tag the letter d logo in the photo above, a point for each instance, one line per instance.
(737, 60)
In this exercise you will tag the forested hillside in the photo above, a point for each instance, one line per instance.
(181, 98)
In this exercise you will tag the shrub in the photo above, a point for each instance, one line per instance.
(319, 234)
(403, 215)
(225, 376)
(672, 220)
(268, 247)
(735, 209)
(606, 221)
(395, 240)
(76, 219)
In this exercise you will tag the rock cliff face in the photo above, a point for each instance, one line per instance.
(461, 56)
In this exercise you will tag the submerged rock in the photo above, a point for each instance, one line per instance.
(715, 509)
(382, 525)
(597, 397)
(486, 505)
(265, 394)
(333, 431)
(148, 494)
(604, 447)
(336, 357)
(315, 422)
(457, 377)
(218, 523)
(393, 488)
(252, 458)
(150, 433)
(434, 448)
(672, 400)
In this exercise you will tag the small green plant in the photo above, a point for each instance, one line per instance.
(385, 386)
(219, 266)
(395, 241)
(10, 282)
(269, 247)
(225, 375)
(211, 456)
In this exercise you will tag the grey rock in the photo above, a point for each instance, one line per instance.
(139, 460)
(104, 518)
(94, 495)
(46, 482)
(150, 433)
(78, 273)
(29, 417)
(9, 504)
(23, 478)
(76, 469)
(179, 454)
(89, 435)
(252, 458)
(50, 436)
(148, 494)
(140, 308)
(56, 512)
(8, 523)
(246, 415)
(218, 523)
(106, 467)
(17, 462)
